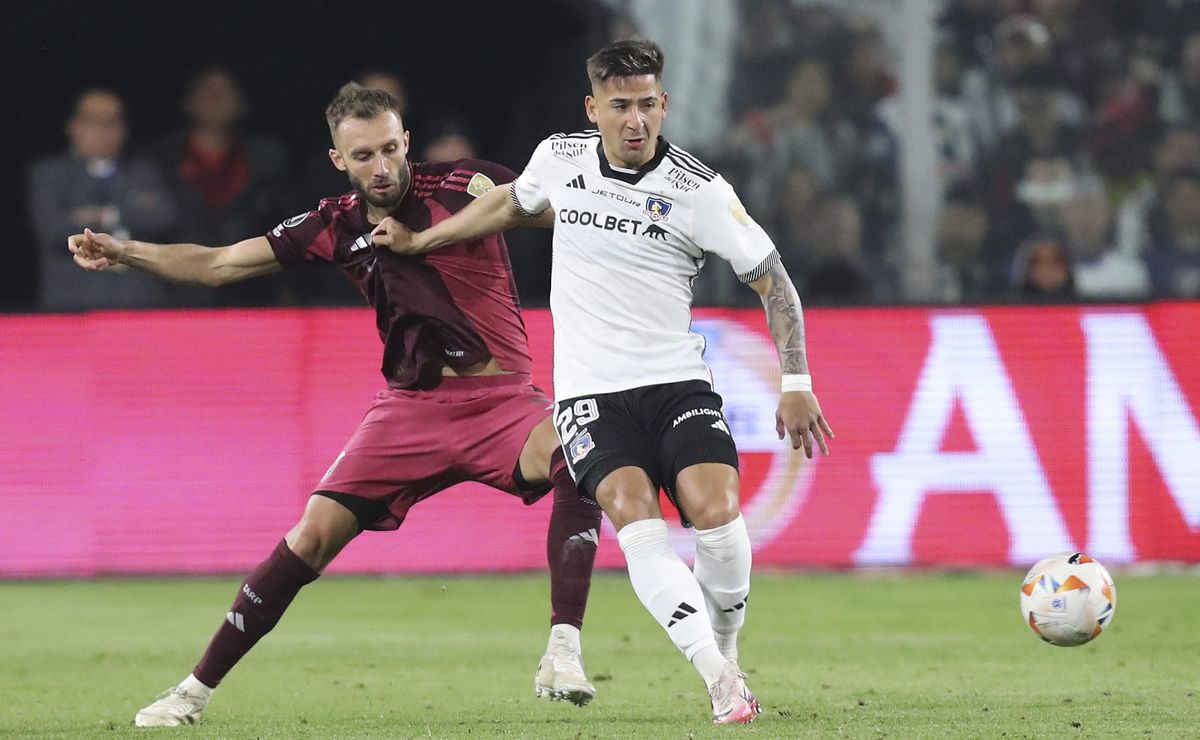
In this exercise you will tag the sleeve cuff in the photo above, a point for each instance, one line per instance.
(517, 203)
(763, 267)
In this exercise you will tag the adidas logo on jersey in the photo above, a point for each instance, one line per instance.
(720, 424)
(577, 183)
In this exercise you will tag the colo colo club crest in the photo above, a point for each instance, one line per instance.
(658, 208)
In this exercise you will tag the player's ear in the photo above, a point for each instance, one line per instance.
(336, 157)
(589, 105)
(664, 104)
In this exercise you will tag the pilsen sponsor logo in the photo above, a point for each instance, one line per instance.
(569, 149)
(680, 180)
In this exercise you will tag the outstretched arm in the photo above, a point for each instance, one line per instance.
(799, 414)
(492, 212)
(182, 263)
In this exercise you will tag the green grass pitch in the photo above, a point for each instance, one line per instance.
(855, 655)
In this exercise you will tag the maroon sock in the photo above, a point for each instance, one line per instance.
(570, 546)
(262, 600)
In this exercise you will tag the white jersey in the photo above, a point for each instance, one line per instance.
(627, 246)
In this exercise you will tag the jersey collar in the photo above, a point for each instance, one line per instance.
(632, 178)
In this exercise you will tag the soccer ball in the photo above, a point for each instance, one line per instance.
(1068, 599)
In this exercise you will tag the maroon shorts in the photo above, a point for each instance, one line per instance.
(412, 444)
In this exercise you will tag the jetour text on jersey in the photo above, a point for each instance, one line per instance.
(607, 223)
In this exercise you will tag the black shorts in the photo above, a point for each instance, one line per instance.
(661, 429)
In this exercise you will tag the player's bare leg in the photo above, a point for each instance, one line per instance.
(708, 494)
(297, 560)
(571, 541)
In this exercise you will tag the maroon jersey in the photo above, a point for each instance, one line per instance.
(456, 306)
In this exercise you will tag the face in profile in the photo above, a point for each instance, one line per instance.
(629, 113)
(374, 154)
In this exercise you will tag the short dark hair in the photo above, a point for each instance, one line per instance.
(356, 101)
(628, 58)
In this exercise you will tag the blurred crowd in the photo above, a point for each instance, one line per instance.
(210, 182)
(1067, 141)
(1067, 135)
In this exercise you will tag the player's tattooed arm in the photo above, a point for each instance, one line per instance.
(799, 415)
(543, 220)
(785, 318)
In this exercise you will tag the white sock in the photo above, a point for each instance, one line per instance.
(669, 591)
(568, 633)
(723, 570)
(709, 662)
(193, 686)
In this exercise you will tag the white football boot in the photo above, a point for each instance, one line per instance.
(176, 706)
(732, 702)
(560, 672)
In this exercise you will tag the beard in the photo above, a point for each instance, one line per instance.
(380, 200)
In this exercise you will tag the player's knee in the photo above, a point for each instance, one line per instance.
(628, 506)
(308, 545)
(713, 512)
(709, 506)
(317, 540)
(708, 494)
(625, 509)
(628, 497)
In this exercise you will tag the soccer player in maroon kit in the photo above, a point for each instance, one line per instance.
(459, 404)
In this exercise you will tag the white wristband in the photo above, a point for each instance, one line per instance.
(797, 383)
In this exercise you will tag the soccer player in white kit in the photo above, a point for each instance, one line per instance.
(635, 409)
